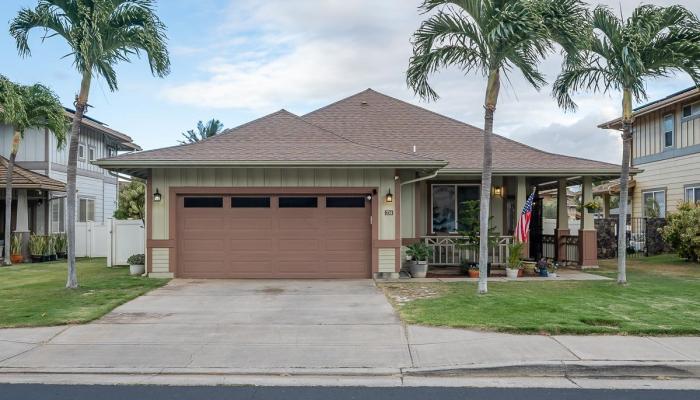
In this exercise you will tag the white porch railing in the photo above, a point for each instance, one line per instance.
(451, 250)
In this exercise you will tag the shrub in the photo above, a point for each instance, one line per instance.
(419, 251)
(682, 231)
(137, 259)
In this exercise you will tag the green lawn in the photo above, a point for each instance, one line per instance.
(34, 294)
(662, 297)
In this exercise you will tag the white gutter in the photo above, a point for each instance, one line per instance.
(422, 178)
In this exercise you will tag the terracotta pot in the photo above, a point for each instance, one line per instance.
(521, 272)
(473, 273)
(16, 258)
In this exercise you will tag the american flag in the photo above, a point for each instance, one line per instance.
(522, 228)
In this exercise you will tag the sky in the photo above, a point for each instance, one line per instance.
(237, 60)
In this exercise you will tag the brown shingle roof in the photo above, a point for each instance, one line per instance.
(25, 179)
(281, 137)
(377, 119)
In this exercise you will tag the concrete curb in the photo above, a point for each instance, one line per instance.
(554, 369)
(567, 369)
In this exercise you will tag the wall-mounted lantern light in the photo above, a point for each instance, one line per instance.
(389, 197)
(156, 196)
(497, 191)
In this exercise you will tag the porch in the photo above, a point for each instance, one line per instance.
(32, 196)
(439, 204)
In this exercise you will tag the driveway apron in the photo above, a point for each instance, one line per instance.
(235, 324)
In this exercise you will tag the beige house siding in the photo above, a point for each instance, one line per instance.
(387, 260)
(648, 131)
(671, 175)
(160, 261)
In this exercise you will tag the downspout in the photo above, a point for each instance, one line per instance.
(422, 178)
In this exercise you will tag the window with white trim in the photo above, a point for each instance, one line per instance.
(86, 210)
(692, 194)
(447, 202)
(91, 154)
(58, 214)
(668, 130)
(81, 152)
(691, 110)
(654, 203)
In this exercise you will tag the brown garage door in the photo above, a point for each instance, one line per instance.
(273, 236)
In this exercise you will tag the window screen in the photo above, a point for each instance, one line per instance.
(298, 202)
(250, 202)
(204, 202)
(345, 202)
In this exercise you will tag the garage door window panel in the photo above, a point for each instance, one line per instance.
(204, 202)
(298, 202)
(345, 202)
(250, 202)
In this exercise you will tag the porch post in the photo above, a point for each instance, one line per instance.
(562, 220)
(587, 235)
(520, 199)
(22, 220)
(606, 205)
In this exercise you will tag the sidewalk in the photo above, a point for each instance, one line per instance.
(426, 351)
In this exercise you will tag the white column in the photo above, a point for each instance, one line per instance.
(520, 196)
(22, 221)
(562, 207)
(587, 196)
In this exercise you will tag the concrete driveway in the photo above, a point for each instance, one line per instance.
(246, 324)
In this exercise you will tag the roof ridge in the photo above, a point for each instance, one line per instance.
(359, 143)
(224, 132)
(481, 130)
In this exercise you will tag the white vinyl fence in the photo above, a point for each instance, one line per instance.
(116, 240)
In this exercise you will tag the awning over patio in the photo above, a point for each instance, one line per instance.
(23, 178)
(611, 187)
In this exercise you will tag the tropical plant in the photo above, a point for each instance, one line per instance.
(469, 225)
(619, 56)
(136, 259)
(49, 245)
(492, 38)
(419, 251)
(27, 107)
(592, 206)
(16, 244)
(36, 245)
(100, 33)
(131, 201)
(515, 251)
(682, 231)
(213, 127)
(61, 242)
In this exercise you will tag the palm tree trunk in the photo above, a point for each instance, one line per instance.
(624, 187)
(80, 106)
(8, 197)
(492, 89)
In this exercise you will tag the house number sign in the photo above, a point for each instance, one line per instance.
(388, 212)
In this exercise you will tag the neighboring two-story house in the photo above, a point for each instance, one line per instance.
(666, 147)
(40, 209)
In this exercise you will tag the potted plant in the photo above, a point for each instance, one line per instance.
(137, 264)
(553, 267)
(419, 253)
(61, 243)
(36, 247)
(592, 206)
(514, 262)
(16, 249)
(49, 248)
(473, 271)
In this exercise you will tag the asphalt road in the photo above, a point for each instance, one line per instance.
(70, 392)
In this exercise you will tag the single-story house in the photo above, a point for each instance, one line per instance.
(338, 192)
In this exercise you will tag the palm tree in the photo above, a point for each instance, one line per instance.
(619, 56)
(35, 107)
(492, 38)
(212, 128)
(100, 33)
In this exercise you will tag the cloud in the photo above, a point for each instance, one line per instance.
(581, 139)
(303, 54)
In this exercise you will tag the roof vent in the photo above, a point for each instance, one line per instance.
(363, 103)
(414, 148)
